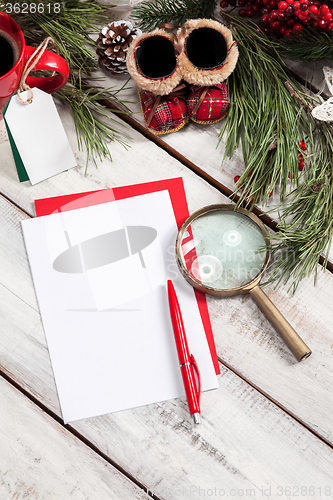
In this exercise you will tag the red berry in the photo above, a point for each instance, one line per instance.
(256, 7)
(283, 30)
(270, 194)
(290, 23)
(298, 27)
(289, 33)
(322, 23)
(275, 25)
(296, 5)
(327, 16)
(315, 24)
(301, 165)
(265, 18)
(242, 12)
(267, 31)
(236, 178)
(303, 15)
(274, 15)
(314, 10)
(282, 5)
(303, 6)
(324, 8)
(330, 26)
(249, 12)
(289, 10)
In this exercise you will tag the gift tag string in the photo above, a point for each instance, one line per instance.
(29, 66)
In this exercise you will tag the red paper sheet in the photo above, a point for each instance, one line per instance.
(47, 206)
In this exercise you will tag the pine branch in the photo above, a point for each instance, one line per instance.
(306, 230)
(307, 45)
(264, 118)
(148, 15)
(71, 28)
(95, 126)
(269, 119)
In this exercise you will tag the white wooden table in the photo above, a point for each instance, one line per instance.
(267, 432)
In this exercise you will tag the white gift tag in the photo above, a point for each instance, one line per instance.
(39, 136)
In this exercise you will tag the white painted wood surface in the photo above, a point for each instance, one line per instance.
(40, 459)
(267, 432)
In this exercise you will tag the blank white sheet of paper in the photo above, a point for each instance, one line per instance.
(100, 277)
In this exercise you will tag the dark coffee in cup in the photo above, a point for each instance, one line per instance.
(9, 53)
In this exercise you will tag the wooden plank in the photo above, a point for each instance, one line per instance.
(150, 162)
(40, 459)
(246, 443)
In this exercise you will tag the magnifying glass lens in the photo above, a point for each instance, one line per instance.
(223, 249)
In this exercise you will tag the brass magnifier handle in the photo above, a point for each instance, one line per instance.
(292, 339)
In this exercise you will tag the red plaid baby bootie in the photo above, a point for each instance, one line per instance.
(152, 63)
(163, 114)
(208, 56)
(207, 104)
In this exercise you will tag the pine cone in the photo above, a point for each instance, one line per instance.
(113, 43)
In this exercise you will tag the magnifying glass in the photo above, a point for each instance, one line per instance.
(223, 251)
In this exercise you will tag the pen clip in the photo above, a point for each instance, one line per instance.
(196, 369)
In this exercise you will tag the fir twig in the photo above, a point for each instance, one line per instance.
(306, 228)
(269, 119)
(71, 28)
(95, 125)
(148, 15)
(265, 120)
(307, 45)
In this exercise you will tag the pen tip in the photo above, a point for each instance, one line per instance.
(196, 418)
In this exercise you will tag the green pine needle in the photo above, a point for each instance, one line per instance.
(307, 45)
(148, 15)
(268, 119)
(264, 118)
(71, 29)
(95, 126)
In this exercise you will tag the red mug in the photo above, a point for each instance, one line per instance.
(14, 54)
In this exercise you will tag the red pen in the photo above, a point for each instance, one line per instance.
(186, 360)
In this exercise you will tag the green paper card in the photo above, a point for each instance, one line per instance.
(21, 171)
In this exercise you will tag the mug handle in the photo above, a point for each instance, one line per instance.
(292, 339)
(48, 61)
